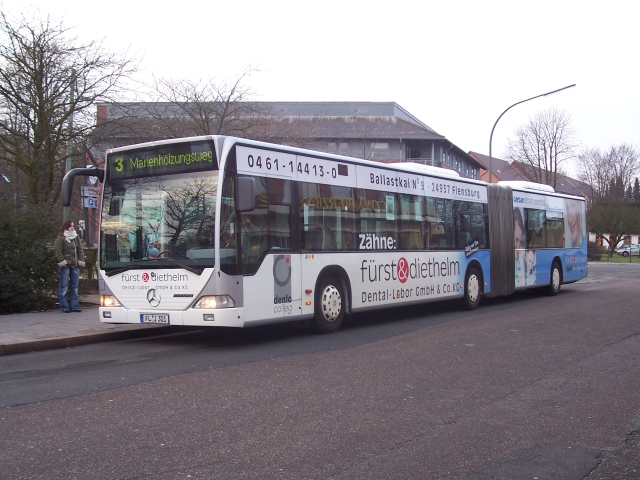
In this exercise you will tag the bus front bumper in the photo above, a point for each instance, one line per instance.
(223, 317)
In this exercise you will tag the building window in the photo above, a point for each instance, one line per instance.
(379, 150)
(341, 148)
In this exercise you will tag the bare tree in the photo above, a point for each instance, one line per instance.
(614, 212)
(284, 130)
(217, 106)
(543, 145)
(367, 141)
(600, 169)
(185, 107)
(46, 78)
(612, 219)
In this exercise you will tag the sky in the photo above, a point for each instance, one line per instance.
(455, 65)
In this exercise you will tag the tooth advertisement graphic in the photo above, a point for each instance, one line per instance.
(282, 279)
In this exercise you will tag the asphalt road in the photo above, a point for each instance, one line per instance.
(525, 387)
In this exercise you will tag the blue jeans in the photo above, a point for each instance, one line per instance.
(68, 282)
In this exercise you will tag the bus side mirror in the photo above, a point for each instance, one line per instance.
(245, 189)
(67, 181)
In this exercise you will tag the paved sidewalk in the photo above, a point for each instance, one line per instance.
(28, 332)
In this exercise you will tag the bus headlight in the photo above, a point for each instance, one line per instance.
(215, 301)
(109, 301)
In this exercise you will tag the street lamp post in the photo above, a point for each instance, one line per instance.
(65, 212)
(517, 103)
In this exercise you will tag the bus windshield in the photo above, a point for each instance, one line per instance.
(160, 221)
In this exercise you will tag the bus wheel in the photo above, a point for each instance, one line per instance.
(329, 308)
(556, 280)
(472, 289)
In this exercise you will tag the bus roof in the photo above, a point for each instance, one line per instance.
(421, 168)
(524, 185)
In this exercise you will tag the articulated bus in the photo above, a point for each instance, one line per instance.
(221, 231)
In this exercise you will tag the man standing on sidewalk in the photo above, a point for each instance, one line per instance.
(70, 258)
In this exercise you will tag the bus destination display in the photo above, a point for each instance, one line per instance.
(162, 160)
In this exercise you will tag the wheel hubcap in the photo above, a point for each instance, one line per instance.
(473, 288)
(331, 303)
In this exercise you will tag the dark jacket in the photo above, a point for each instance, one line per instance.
(69, 253)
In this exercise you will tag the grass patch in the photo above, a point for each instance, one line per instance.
(620, 259)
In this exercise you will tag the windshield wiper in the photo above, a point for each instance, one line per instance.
(170, 260)
(116, 271)
(111, 273)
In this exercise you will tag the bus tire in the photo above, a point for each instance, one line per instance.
(555, 279)
(472, 288)
(330, 305)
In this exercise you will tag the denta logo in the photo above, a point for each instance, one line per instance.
(281, 279)
(284, 299)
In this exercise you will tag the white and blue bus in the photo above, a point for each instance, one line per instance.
(221, 231)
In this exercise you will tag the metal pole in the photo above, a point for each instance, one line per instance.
(69, 141)
(517, 103)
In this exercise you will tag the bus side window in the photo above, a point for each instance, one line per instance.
(378, 216)
(555, 233)
(328, 241)
(410, 225)
(280, 211)
(535, 228)
(464, 239)
(254, 230)
(228, 229)
(327, 217)
(438, 241)
(439, 216)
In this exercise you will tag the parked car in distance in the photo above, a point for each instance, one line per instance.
(628, 249)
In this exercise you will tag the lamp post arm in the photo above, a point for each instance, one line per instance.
(509, 108)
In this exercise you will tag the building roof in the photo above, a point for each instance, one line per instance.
(341, 109)
(280, 121)
(572, 186)
(331, 120)
(501, 169)
(284, 109)
(504, 170)
(378, 127)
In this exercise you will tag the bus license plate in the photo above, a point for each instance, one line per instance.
(154, 318)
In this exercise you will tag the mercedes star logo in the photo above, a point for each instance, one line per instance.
(153, 297)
